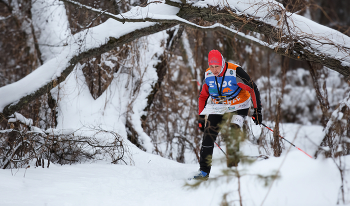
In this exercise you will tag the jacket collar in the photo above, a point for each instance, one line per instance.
(223, 71)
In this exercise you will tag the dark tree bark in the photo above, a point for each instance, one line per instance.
(322, 99)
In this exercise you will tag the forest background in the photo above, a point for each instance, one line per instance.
(292, 90)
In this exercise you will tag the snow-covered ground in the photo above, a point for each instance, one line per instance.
(153, 180)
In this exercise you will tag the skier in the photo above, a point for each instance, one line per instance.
(225, 83)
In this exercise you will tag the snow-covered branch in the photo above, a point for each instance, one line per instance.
(264, 22)
(289, 34)
(55, 71)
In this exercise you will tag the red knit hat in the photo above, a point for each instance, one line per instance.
(214, 58)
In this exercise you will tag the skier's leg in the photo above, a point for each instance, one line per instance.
(232, 145)
(210, 133)
(235, 137)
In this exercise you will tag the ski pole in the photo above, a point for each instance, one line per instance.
(213, 138)
(215, 142)
(284, 139)
(220, 149)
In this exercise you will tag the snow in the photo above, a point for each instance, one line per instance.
(53, 68)
(153, 180)
(319, 38)
(337, 114)
(189, 53)
(78, 110)
(4, 17)
(51, 26)
(18, 117)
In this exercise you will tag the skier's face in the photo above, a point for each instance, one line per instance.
(215, 69)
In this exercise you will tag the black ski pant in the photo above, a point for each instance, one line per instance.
(211, 132)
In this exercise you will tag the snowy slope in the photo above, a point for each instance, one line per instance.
(153, 180)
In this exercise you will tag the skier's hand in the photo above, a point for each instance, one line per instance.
(201, 123)
(257, 117)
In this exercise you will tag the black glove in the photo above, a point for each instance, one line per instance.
(201, 122)
(257, 117)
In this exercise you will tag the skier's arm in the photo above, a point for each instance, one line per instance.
(203, 97)
(249, 85)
